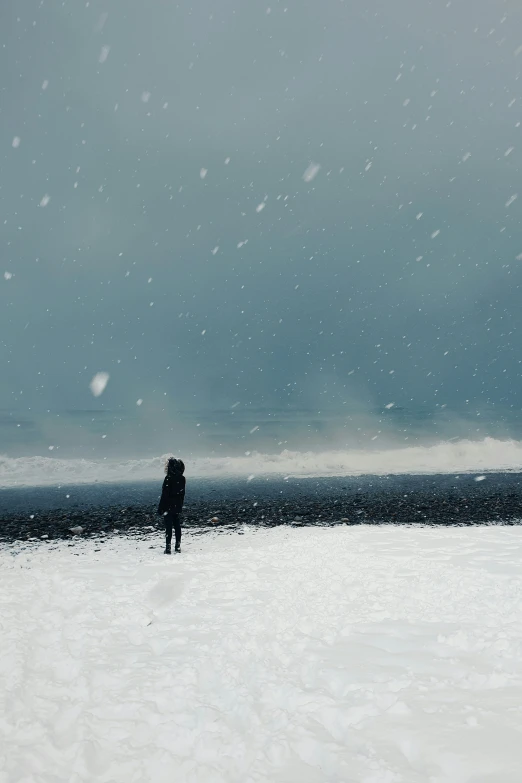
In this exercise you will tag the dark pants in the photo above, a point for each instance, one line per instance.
(172, 520)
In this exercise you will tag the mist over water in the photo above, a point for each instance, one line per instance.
(240, 432)
(281, 227)
(256, 444)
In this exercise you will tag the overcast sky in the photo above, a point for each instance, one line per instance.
(160, 218)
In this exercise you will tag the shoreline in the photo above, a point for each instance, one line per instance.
(50, 512)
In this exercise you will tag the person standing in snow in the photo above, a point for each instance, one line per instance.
(171, 503)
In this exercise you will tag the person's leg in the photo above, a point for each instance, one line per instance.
(177, 528)
(168, 532)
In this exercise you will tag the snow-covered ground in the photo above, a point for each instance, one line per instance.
(361, 655)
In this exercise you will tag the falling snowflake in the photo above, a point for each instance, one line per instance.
(203, 173)
(508, 151)
(98, 383)
(45, 200)
(419, 215)
(214, 250)
(466, 157)
(139, 402)
(260, 207)
(104, 53)
(511, 200)
(311, 172)
(45, 84)
(390, 405)
(480, 478)
(435, 233)
(145, 97)
(16, 142)
(8, 275)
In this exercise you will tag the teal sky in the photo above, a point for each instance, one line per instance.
(156, 223)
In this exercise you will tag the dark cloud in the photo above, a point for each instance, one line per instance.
(337, 288)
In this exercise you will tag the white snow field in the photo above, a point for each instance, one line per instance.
(353, 655)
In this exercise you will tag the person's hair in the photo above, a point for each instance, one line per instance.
(174, 464)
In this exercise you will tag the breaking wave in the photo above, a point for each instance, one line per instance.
(464, 456)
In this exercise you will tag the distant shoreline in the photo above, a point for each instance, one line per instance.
(50, 512)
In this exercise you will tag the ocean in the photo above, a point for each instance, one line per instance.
(261, 467)
(76, 447)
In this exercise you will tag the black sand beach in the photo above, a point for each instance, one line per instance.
(112, 509)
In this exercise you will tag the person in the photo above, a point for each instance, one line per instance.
(171, 502)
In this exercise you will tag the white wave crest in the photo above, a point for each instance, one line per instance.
(462, 456)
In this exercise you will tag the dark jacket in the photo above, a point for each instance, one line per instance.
(172, 493)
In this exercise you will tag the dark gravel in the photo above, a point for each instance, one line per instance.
(130, 508)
